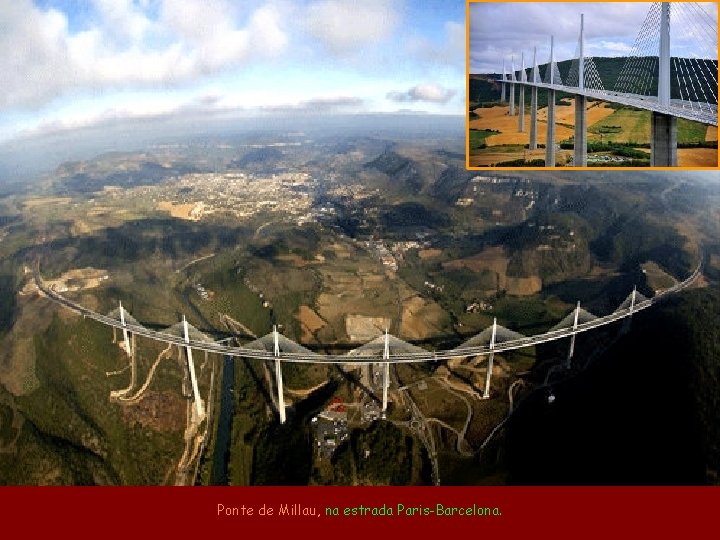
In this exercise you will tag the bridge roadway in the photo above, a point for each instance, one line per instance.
(400, 357)
(700, 112)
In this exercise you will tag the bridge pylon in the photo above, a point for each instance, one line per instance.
(503, 84)
(512, 86)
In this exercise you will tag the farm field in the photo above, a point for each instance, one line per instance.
(606, 124)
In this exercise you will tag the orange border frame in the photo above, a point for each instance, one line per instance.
(467, 101)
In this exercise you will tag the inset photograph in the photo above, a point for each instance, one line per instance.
(594, 84)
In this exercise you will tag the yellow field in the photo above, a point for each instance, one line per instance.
(697, 157)
(191, 211)
(565, 114)
(497, 118)
(310, 322)
(45, 201)
(430, 253)
(635, 126)
(488, 157)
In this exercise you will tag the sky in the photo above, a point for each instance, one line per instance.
(71, 64)
(501, 30)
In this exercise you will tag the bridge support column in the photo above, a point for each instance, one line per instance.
(386, 373)
(133, 367)
(533, 119)
(663, 137)
(521, 108)
(628, 320)
(488, 375)
(550, 139)
(199, 408)
(580, 158)
(512, 99)
(568, 362)
(126, 341)
(278, 377)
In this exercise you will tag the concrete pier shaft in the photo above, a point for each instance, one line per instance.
(488, 375)
(521, 108)
(278, 376)
(580, 159)
(533, 118)
(663, 140)
(512, 99)
(550, 139)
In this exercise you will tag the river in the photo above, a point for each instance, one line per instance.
(221, 453)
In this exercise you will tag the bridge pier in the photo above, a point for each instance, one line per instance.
(628, 320)
(129, 347)
(663, 146)
(386, 373)
(126, 341)
(488, 375)
(568, 362)
(533, 118)
(580, 158)
(550, 139)
(199, 408)
(521, 108)
(278, 377)
(580, 140)
(521, 95)
(512, 99)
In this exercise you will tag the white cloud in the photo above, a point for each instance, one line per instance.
(429, 92)
(344, 26)
(318, 104)
(451, 51)
(605, 47)
(498, 30)
(122, 19)
(41, 58)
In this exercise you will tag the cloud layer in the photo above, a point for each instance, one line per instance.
(430, 92)
(499, 30)
(42, 58)
(77, 62)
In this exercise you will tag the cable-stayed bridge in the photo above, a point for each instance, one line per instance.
(670, 86)
(384, 350)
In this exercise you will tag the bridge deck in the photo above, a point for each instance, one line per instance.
(695, 111)
(406, 357)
